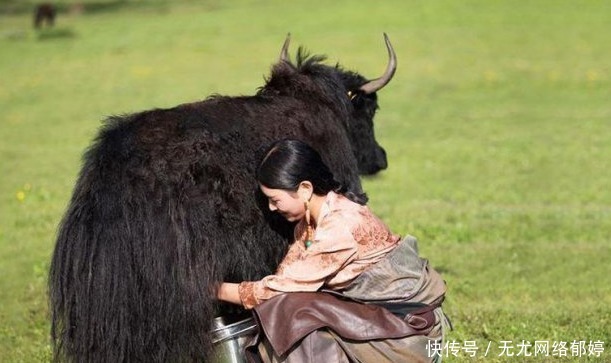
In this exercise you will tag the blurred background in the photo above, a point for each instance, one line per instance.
(497, 127)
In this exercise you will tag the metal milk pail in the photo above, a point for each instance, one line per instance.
(230, 334)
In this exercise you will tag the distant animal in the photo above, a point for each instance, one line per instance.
(44, 14)
(166, 206)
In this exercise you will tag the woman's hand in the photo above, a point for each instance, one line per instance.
(228, 292)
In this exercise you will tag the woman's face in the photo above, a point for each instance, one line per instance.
(287, 203)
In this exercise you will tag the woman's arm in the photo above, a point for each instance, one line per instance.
(301, 269)
(228, 292)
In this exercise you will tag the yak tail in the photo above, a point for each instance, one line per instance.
(129, 279)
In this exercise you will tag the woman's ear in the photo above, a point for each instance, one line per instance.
(305, 190)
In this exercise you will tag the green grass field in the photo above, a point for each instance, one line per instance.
(497, 127)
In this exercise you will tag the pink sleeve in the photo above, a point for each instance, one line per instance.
(306, 269)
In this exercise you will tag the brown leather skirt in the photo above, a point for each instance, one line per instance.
(321, 327)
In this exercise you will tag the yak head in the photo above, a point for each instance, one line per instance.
(351, 95)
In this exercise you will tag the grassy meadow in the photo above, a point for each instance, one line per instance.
(497, 127)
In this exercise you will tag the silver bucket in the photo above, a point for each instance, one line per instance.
(230, 334)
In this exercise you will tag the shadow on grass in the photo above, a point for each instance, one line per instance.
(55, 33)
(95, 7)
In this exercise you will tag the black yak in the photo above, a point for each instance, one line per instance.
(166, 205)
(44, 14)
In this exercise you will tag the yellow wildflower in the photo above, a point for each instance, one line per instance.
(592, 75)
(491, 76)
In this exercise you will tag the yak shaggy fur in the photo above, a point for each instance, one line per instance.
(166, 206)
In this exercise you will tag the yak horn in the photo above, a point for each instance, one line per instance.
(377, 84)
(284, 53)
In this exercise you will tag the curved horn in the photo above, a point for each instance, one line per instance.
(378, 83)
(284, 53)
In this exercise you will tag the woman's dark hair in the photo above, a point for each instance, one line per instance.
(288, 162)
